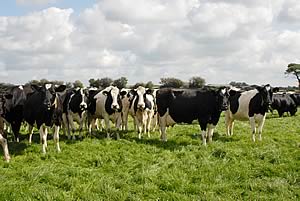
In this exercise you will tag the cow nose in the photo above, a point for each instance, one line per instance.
(83, 106)
(115, 107)
(141, 106)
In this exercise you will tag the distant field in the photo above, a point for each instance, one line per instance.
(231, 168)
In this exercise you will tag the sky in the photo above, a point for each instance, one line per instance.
(221, 41)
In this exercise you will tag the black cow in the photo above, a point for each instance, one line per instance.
(13, 103)
(251, 105)
(74, 108)
(186, 105)
(296, 98)
(44, 108)
(284, 103)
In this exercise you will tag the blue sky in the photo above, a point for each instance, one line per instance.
(11, 8)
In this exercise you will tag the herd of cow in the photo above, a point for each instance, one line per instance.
(56, 106)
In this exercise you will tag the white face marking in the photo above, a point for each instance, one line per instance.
(21, 87)
(223, 91)
(141, 91)
(268, 88)
(114, 93)
(82, 97)
(48, 86)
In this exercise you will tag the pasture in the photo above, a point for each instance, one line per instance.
(230, 168)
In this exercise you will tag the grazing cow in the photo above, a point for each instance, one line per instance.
(108, 106)
(250, 105)
(142, 109)
(186, 105)
(3, 141)
(74, 108)
(44, 108)
(13, 103)
(283, 103)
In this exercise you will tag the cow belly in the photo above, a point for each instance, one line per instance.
(167, 119)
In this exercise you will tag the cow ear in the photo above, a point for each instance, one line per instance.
(36, 87)
(275, 89)
(8, 96)
(60, 88)
(123, 93)
(149, 91)
(105, 93)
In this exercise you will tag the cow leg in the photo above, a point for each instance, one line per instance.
(16, 129)
(203, 127)
(139, 127)
(92, 125)
(228, 124)
(210, 132)
(30, 129)
(162, 124)
(3, 143)
(261, 122)
(65, 125)
(107, 127)
(72, 126)
(253, 127)
(43, 137)
(56, 137)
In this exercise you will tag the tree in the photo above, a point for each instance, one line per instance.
(171, 82)
(149, 85)
(239, 84)
(94, 83)
(294, 69)
(138, 84)
(77, 83)
(105, 82)
(196, 82)
(121, 82)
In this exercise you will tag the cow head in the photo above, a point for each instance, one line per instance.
(222, 98)
(113, 98)
(266, 93)
(142, 94)
(80, 96)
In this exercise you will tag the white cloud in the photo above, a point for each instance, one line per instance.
(35, 2)
(222, 41)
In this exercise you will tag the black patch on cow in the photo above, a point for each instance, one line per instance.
(234, 101)
(188, 105)
(109, 101)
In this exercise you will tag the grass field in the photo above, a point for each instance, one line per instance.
(231, 168)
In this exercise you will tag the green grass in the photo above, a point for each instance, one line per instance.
(230, 168)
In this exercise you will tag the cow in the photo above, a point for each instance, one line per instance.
(74, 108)
(12, 107)
(44, 108)
(126, 98)
(106, 105)
(186, 105)
(284, 103)
(142, 109)
(3, 141)
(296, 98)
(251, 105)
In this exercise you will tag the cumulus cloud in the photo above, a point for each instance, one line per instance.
(222, 41)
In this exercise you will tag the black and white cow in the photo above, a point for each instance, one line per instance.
(142, 109)
(44, 108)
(187, 105)
(107, 106)
(284, 103)
(251, 105)
(126, 98)
(74, 108)
(3, 141)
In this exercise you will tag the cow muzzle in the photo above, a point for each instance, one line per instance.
(115, 107)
